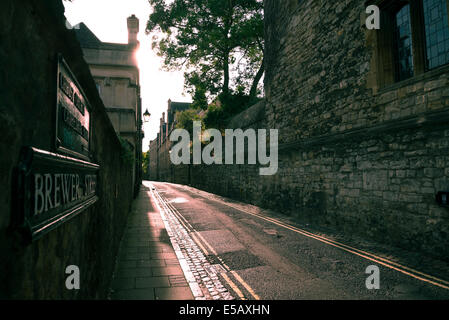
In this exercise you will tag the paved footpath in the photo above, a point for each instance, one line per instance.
(147, 266)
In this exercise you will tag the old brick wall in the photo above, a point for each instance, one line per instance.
(31, 34)
(355, 157)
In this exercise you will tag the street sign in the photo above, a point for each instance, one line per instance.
(51, 189)
(73, 121)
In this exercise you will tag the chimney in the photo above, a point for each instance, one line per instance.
(133, 30)
(160, 130)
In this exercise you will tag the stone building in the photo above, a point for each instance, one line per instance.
(161, 168)
(116, 74)
(362, 118)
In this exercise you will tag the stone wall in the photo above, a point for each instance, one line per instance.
(365, 159)
(354, 156)
(153, 161)
(31, 34)
(165, 167)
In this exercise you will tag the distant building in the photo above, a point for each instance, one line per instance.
(161, 168)
(116, 74)
(172, 108)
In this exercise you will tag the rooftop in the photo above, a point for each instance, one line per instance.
(89, 40)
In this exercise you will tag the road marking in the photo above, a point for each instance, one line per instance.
(247, 287)
(199, 244)
(234, 273)
(209, 246)
(164, 204)
(196, 234)
(233, 286)
(366, 255)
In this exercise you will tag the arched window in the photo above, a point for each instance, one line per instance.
(403, 44)
(437, 33)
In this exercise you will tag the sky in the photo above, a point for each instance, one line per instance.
(107, 19)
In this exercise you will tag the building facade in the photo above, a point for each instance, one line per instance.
(115, 71)
(161, 168)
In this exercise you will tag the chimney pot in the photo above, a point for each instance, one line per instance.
(133, 29)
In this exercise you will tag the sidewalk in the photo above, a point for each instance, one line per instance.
(147, 267)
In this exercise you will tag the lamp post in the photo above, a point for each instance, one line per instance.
(146, 116)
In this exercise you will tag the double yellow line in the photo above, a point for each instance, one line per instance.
(366, 255)
(199, 239)
(235, 274)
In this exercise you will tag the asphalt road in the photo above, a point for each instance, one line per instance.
(268, 258)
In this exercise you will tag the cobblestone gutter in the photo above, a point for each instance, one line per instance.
(202, 276)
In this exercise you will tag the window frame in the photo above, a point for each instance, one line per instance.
(427, 67)
(384, 60)
(395, 45)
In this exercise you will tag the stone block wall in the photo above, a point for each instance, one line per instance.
(363, 158)
(153, 162)
(165, 167)
(32, 33)
(354, 156)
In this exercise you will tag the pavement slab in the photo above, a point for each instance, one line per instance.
(147, 267)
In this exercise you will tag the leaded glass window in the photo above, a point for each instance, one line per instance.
(437, 32)
(403, 44)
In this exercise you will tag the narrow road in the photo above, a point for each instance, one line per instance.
(234, 251)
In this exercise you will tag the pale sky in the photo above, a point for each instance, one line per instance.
(107, 19)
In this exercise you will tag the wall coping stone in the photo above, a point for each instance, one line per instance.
(248, 117)
(426, 119)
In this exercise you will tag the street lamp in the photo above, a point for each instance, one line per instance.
(146, 116)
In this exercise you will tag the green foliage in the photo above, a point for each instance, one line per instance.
(184, 119)
(145, 163)
(198, 92)
(215, 117)
(209, 38)
(225, 108)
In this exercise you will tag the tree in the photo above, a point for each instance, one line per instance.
(184, 119)
(208, 38)
(145, 163)
(198, 92)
